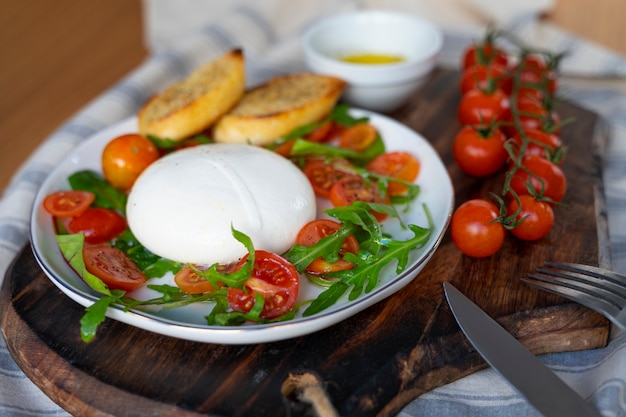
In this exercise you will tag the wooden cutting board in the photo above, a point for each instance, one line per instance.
(372, 364)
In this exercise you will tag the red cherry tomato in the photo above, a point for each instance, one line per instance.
(481, 107)
(284, 149)
(98, 224)
(323, 133)
(484, 78)
(315, 230)
(548, 180)
(484, 53)
(540, 143)
(358, 137)
(398, 164)
(538, 218)
(350, 189)
(532, 114)
(274, 278)
(125, 157)
(474, 230)
(113, 267)
(323, 174)
(68, 203)
(479, 151)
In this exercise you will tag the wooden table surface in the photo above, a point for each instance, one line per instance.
(58, 55)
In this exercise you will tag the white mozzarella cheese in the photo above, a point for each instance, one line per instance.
(182, 206)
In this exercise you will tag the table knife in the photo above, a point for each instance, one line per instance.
(543, 389)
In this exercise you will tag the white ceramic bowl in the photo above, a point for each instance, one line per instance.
(378, 87)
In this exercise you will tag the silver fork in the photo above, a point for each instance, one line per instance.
(599, 289)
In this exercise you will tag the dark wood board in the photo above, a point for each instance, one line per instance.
(372, 364)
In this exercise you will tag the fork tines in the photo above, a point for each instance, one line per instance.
(596, 288)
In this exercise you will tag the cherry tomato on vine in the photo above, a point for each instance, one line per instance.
(317, 229)
(540, 143)
(479, 151)
(532, 114)
(323, 174)
(358, 137)
(475, 229)
(68, 203)
(547, 179)
(482, 107)
(98, 224)
(538, 218)
(483, 77)
(484, 53)
(274, 278)
(397, 164)
(125, 157)
(113, 267)
(352, 188)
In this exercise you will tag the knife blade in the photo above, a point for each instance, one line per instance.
(542, 388)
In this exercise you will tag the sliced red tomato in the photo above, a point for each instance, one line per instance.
(68, 203)
(538, 218)
(98, 224)
(113, 267)
(190, 282)
(322, 174)
(350, 189)
(323, 133)
(358, 137)
(398, 164)
(274, 278)
(317, 229)
(545, 177)
(479, 151)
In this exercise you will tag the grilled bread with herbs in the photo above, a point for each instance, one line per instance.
(276, 108)
(193, 104)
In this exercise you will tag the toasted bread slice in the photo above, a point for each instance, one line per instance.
(196, 102)
(274, 109)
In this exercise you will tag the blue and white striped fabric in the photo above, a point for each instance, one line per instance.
(598, 375)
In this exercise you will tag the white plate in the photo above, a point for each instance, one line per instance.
(187, 323)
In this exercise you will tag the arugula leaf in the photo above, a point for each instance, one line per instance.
(167, 143)
(152, 265)
(72, 248)
(364, 276)
(305, 147)
(95, 315)
(107, 196)
(341, 115)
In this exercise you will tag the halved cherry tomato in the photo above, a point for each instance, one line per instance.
(398, 164)
(125, 157)
(68, 203)
(482, 107)
(322, 174)
(479, 151)
(317, 229)
(350, 189)
(113, 267)
(548, 179)
(358, 137)
(274, 278)
(538, 218)
(191, 283)
(284, 149)
(98, 224)
(474, 229)
(322, 133)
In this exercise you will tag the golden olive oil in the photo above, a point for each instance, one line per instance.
(372, 59)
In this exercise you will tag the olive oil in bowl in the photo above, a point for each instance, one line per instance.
(372, 59)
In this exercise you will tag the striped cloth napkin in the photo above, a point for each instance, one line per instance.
(187, 33)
